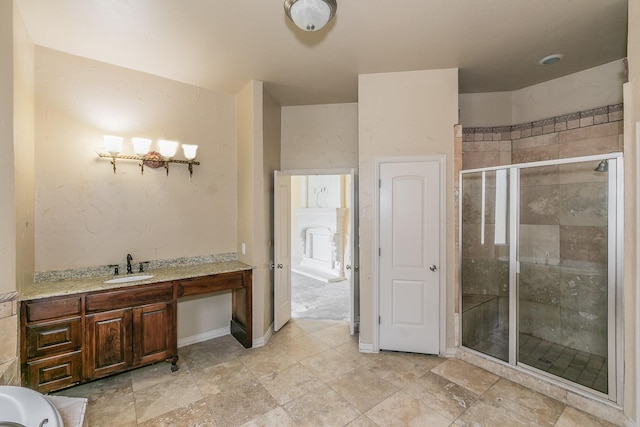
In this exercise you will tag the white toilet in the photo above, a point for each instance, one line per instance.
(20, 406)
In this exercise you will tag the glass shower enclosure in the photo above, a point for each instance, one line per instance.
(541, 255)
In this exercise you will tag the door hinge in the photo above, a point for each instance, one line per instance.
(379, 251)
(379, 183)
(379, 320)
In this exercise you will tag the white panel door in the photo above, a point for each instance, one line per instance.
(282, 250)
(409, 256)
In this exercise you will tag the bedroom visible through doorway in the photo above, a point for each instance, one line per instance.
(320, 253)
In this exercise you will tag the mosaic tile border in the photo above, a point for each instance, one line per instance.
(106, 270)
(594, 116)
(8, 297)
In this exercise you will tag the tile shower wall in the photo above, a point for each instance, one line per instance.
(563, 217)
(9, 339)
(589, 132)
(485, 266)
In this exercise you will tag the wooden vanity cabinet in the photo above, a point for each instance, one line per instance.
(71, 340)
(109, 343)
(136, 331)
(51, 344)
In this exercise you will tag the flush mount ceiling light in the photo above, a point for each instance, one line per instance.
(551, 59)
(310, 15)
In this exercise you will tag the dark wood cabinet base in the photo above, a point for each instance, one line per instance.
(74, 339)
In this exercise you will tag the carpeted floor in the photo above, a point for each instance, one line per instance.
(313, 299)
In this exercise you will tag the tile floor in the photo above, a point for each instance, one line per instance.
(311, 374)
(589, 370)
(314, 299)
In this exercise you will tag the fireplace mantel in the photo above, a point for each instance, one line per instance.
(320, 235)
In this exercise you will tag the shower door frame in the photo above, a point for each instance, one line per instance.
(615, 255)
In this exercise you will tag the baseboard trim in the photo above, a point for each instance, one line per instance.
(204, 336)
(366, 348)
(450, 352)
(260, 342)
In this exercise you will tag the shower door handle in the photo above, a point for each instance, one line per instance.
(433, 267)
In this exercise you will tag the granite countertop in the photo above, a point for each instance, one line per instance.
(80, 285)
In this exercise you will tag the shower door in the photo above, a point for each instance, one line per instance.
(541, 256)
(485, 262)
(566, 251)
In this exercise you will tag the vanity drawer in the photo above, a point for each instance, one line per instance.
(55, 373)
(45, 339)
(52, 308)
(208, 284)
(129, 297)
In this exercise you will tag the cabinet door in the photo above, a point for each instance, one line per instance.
(109, 346)
(53, 373)
(57, 337)
(152, 332)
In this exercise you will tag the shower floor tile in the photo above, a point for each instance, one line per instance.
(589, 370)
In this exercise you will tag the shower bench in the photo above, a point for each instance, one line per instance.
(480, 316)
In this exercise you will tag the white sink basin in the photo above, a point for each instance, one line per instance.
(125, 279)
(23, 406)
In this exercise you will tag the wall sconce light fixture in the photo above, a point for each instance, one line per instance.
(146, 157)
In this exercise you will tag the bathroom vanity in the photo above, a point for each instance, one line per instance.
(78, 330)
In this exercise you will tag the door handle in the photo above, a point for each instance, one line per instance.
(279, 265)
(433, 267)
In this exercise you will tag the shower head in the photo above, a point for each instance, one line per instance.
(603, 166)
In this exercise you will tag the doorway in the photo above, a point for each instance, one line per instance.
(410, 260)
(321, 244)
(316, 299)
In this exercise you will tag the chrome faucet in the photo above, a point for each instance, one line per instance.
(129, 259)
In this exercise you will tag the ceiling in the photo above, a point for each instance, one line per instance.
(223, 44)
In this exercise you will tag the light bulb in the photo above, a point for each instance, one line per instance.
(189, 151)
(141, 146)
(168, 148)
(113, 144)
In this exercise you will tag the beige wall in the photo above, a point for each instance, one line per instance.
(16, 180)
(320, 136)
(485, 109)
(245, 172)
(271, 124)
(86, 215)
(252, 225)
(7, 166)
(401, 114)
(246, 129)
(24, 153)
(632, 198)
(580, 91)
(201, 318)
(592, 88)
